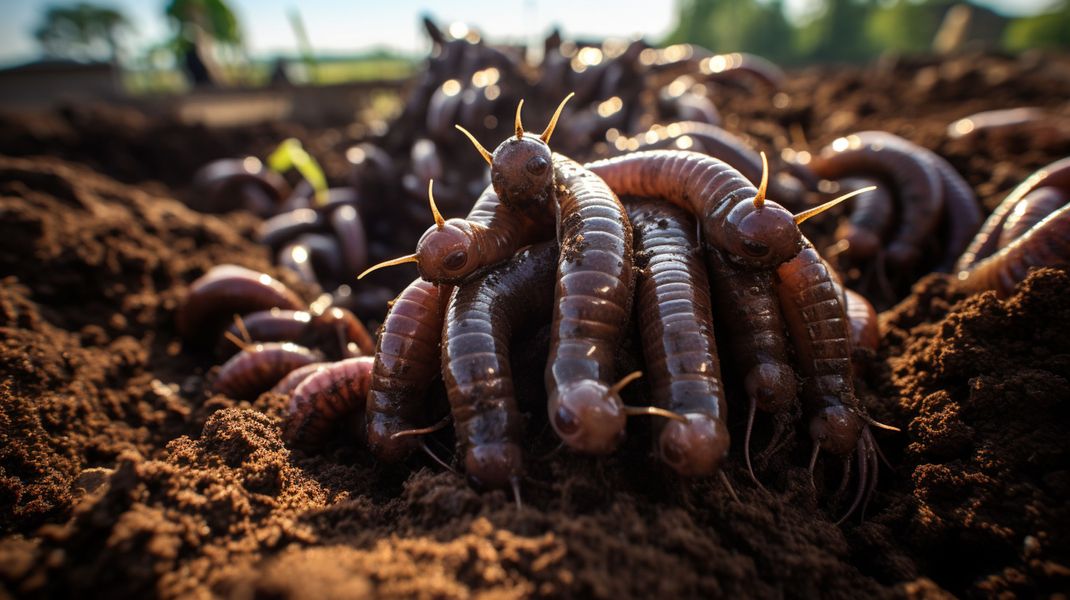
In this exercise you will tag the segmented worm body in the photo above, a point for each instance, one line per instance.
(257, 368)
(406, 362)
(814, 311)
(679, 351)
(1030, 210)
(481, 318)
(915, 178)
(1057, 174)
(592, 306)
(1047, 244)
(325, 396)
(225, 291)
(862, 317)
(720, 144)
(229, 184)
(756, 235)
(288, 384)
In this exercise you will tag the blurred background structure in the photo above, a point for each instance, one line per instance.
(53, 50)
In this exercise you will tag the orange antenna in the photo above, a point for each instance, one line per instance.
(759, 198)
(654, 412)
(630, 377)
(439, 221)
(482, 151)
(519, 125)
(806, 214)
(545, 137)
(389, 263)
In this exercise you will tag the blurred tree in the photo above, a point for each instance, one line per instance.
(203, 28)
(1048, 30)
(82, 32)
(905, 25)
(838, 33)
(736, 26)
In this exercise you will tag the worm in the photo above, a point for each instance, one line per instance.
(1057, 174)
(349, 232)
(258, 367)
(229, 184)
(749, 315)
(481, 317)
(994, 120)
(1032, 209)
(406, 362)
(870, 217)
(1047, 244)
(916, 180)
(283, 227)
(735, 216)
(813, 309)
(315, 257)
(331, 392)
(676, 323)
(688, 106)
(592, 300)
(336, 331)
(452, 250)
(862, 318)
(721, 144)
(288, 384)
(225, 291)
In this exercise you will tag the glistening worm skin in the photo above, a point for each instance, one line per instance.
(718, 195)
(722, 145)
(481, 317)
(288, 384)
(228, 290)
(916, 180)
(861, 316)
(676, 323)
(406, 362)
(592, 306)
(257, 368)
(1032, 209)
(331, 392)
(1057, 174)
(1047, 244)
(490, 234)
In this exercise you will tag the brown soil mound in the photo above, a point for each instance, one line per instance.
(121, 475)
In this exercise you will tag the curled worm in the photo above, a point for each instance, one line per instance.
(1057, 174)
(1032, 209)
(288, 384)
(228, 290)
(870, 218)
(481, 317)
(1047, 244)
(406, 362)
(592, 306)
(676, 323)
(331, 392)
(257, 368)
(916, 180)
(756, 232)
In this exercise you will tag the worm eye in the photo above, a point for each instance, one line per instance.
(566, 421)
(755, 249)
(455, 260)
(537, 165)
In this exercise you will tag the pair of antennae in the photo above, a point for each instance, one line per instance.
(519, 126)
(759, 198)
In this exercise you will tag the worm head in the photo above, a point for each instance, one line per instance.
(772, 386)
(761, 237)
(836, 429)
(493, 466)
(696, 447)
(588, 416)
(444, 254)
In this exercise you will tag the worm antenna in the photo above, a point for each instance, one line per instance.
(806, 214)
(759, 198)
(519, 125)
(237, 341)
(439, 221)
(630, 377)
(389, 263)
(545, 137)
(654, 411)
(422, 430)
(239, 323)
(482, 151)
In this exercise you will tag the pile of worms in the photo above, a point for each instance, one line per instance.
(679, 233)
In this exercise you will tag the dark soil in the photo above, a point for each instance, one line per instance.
(121, 475)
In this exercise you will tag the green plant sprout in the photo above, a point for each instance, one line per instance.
(292, 155)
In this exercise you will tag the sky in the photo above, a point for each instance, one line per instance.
(345, 26)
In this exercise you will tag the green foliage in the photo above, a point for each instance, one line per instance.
(731, 26)
(1049, 30)
(80, 32)
(212, 17)
(292, 155)
(903, 26)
